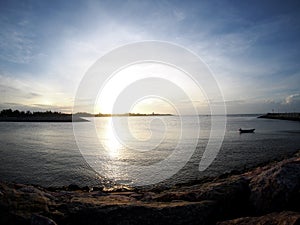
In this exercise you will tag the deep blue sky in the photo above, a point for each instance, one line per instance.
(253, 47)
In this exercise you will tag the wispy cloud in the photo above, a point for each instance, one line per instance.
(15, 46)
(45, 49)
(292, 98)
(28, 91)
(179, 15)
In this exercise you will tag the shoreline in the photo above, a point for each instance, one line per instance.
(48, 119)
(267, 194)
(282, 116)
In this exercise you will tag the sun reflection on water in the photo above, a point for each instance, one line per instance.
(126, 143)
(111, 142)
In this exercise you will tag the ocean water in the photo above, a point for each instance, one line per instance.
(49, 154)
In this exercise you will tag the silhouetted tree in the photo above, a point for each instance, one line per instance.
(17, 113)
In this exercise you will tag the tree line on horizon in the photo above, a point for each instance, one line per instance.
(132, 114)
(18, 113)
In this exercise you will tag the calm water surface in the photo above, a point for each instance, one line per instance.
(47, 154)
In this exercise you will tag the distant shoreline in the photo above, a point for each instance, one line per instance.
(9, 115)
(132, 114)
(282, 116)
(60, 119)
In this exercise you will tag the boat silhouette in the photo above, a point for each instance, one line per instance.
(246, 130)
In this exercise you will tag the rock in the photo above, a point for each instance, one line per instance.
(24, 201)
(73, 187)
(271, 188)
(86, 188)
(197, 213)
(41, 220)
(277, 188)
(231, 195)
(97, 189)
(29, 189)
(282, 218)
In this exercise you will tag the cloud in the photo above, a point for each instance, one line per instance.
(28, 91)
(179, 15)
(16, 39)
(292, 98)
(254, 58)
(34, 107)
(35, 94)
(15, 47)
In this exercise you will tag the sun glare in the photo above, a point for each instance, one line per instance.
(111, 143)
(160, 77)
(151, 105)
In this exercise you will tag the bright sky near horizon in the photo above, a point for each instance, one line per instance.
(252, 47)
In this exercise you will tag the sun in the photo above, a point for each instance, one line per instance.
(146, 88)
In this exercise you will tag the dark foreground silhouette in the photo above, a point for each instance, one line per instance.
(268, 194)
(9, 115)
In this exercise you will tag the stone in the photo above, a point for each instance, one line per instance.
(231, 195)
(41, 220)
(277, 188)
(278, 218)
(197, 213)
(73, 187)
(265, 195)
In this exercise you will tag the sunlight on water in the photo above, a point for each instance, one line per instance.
(126, 143)
(111, 142)
(47, 154)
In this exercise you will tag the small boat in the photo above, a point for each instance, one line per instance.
(246, 130)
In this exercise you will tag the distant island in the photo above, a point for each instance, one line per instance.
(9, 115)
(282, 116)
(132, 114)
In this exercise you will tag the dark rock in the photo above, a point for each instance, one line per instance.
(282, 218)
(25, 200)
(86, 188)
(7, 217)
(135, 214)
(99, 193)
(41, 220)
(73, 187)
(97, 189)
(231, 195)
(277, 188)
(271, 188)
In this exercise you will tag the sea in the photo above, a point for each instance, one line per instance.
(138, 150)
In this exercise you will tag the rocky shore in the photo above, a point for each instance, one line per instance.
(268, 194)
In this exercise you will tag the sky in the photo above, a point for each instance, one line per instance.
(251, 47)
